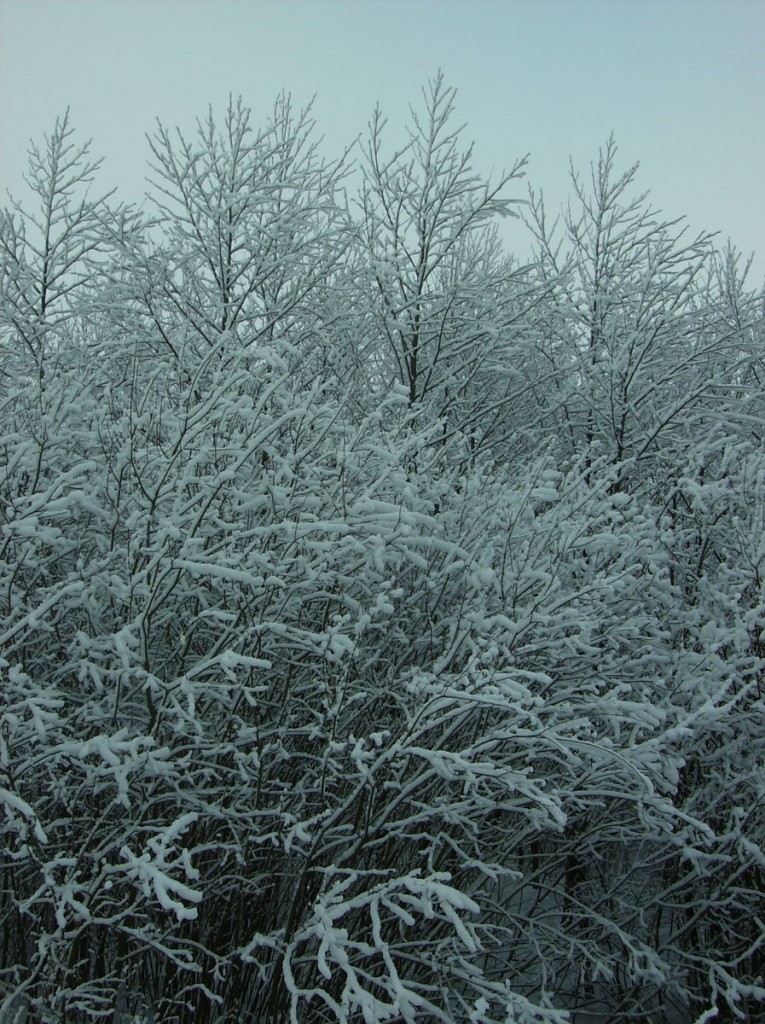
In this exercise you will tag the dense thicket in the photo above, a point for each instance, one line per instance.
(382, 627)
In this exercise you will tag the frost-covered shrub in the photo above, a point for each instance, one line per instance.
(322, 700)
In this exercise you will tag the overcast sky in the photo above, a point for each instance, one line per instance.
(681, 83)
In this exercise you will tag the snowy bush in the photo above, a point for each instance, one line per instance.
(381, 624)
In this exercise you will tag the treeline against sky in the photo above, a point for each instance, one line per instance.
(382, 628)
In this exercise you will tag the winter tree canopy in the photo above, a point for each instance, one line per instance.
(382, 622)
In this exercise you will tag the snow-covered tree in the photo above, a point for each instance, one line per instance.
(381, 626)
(440, 298)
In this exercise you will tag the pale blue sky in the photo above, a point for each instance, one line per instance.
(680, 82)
